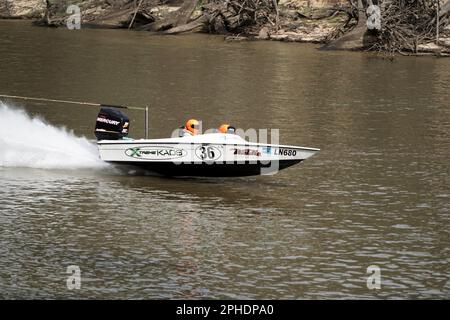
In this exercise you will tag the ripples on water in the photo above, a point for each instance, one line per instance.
(377, 194)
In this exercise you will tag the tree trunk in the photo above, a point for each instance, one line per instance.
(356, 39)
(277, 18)
(174, 19)
(196, 25)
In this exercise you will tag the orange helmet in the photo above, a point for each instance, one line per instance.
(226, 128)
(192, 125)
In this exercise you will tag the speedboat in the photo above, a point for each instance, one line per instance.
(207, 155)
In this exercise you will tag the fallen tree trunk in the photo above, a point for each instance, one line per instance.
(358, 38)
(193, 26)
(174, 19)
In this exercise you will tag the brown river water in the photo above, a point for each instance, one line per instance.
(378, 192)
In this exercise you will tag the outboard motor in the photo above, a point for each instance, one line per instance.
(111, 124)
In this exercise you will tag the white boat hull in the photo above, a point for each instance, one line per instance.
(205, 155)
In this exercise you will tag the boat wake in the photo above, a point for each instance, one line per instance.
(32, 143)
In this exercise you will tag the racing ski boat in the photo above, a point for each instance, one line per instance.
(208, 155)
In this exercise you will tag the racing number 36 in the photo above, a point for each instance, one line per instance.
(207, 152)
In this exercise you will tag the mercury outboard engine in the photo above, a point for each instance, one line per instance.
(111, 124)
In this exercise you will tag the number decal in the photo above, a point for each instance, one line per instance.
(208, 153)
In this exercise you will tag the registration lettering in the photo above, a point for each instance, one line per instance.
(285, 152)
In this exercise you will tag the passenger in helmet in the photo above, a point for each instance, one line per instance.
(226, 128)
(191, 128)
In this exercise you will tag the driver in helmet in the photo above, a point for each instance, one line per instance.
(226, 128)
(191, 128)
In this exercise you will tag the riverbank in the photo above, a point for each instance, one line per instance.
(323, 22)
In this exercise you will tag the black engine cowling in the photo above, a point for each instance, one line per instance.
(111, 124)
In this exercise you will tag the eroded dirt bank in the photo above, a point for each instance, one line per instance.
(338, 24)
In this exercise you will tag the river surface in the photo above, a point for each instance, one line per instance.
(377, 194)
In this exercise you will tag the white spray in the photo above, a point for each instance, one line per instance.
(32, 143)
